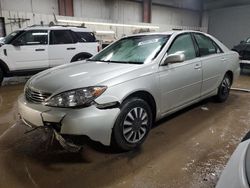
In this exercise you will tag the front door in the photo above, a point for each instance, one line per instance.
(30, 51)
(180, 83)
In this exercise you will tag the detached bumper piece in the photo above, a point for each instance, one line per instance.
(66, 144)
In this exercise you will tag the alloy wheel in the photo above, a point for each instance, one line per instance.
(226, 84)
(135, 125)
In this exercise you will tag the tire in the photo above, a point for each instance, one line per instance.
(246, 137)
(224, 89)
(80, 59)
(132, 125)
(1, 76)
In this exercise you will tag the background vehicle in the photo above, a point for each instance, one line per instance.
(243, 49)
(115, 96)
(37, 48)
(237, 170)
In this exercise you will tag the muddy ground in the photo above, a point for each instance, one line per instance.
(187, 149)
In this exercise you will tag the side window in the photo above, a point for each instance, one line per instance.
(206, 45)
(61, 37)
(33, 37)
(183, 44)
(85, 37)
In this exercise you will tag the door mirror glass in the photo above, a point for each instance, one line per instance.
(174, 58)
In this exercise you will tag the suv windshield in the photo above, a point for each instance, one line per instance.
(136, 49)
(8, 39)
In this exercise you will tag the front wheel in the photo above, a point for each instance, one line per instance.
(224, 89)
(132, 125)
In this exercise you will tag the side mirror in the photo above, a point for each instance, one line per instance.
(16, 43)
(174, 58)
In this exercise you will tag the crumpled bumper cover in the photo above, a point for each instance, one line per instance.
(95, 123)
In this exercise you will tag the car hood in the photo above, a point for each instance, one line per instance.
(78, 75)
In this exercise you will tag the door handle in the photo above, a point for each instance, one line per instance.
(71, 48)
(40, 49)
(5, 52)
(197, 66)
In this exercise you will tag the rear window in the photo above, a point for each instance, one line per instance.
(85, 37)
(61, 37)
(206, 45)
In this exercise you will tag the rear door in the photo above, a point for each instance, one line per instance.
(180, 83)
(62, 47)
(213, 61)
(30, 51)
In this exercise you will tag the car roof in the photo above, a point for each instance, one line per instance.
(73, 28)
(167, 32)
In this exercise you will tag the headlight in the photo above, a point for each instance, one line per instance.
(76, 98)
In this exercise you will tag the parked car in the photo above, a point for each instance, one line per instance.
(34, 49)
(115, 96)
(243, 49)
(237, 170)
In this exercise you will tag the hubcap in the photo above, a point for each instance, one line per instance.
(135, 125)
(225, 86)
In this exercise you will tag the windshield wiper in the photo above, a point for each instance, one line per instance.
(111, 61)
(90, 60)
(124, 62)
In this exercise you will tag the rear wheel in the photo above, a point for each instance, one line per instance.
(224, 89)
(1, 76)
(132, 125)
(80, 58)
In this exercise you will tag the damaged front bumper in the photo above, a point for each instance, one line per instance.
(95, 123)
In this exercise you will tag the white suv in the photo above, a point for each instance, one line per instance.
(36, 48)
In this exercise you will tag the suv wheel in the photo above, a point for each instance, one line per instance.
(80, 57)
(224, 89)
(132, 125)
(1, 76)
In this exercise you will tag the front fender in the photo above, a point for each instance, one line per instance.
(119, 92)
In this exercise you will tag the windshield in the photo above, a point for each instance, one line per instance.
(136, 49)
(8, 39)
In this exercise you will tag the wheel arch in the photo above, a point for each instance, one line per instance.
(4, 67)
(230, 74)
(146, 96)
(82, 54)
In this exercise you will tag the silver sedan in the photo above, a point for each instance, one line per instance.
(117, 95)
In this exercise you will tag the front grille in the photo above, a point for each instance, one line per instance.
(36, 96)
